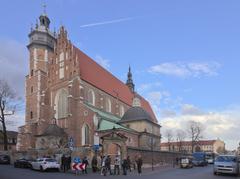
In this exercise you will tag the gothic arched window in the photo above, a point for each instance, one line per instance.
(121, 111)
(85, 135)
(61, 102)
(108, 105)
(91, 97)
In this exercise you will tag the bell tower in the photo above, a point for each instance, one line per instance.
(41, 50)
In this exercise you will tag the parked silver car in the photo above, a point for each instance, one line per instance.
(226, 164)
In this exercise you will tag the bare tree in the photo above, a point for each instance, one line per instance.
(169, 136)
(180, 136)
(221, 150)
(7, 107)
(195, 130)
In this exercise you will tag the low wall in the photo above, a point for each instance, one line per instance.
(159, 158)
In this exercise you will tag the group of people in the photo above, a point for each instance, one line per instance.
(104, 163)
(125, 164)
(66, 163)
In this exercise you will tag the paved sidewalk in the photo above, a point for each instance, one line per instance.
(145, 171)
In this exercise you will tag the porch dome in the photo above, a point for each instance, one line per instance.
(136, 113)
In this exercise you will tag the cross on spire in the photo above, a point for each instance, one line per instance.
(44, 8)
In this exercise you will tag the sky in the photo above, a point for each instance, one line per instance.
(184, 54)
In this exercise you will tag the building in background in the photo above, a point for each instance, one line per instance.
(73, 102)
(12, 140)
(211, 146)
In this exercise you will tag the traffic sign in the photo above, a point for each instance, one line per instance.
(71, 143)
(77, 160)
(78, 166)
(95, 147)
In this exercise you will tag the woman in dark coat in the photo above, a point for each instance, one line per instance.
(94, 164)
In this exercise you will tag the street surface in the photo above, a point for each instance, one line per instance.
(9, 172)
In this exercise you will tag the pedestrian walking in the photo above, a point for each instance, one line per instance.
(69, 161)
(128, 163)
(108, 164)
(124, 166)
(99, 163)
(85, 161)
(117, 165)
(139, 165)
(103, 166)
(94, 164)
(64, 163)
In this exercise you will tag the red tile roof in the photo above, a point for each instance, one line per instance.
(93, 73)
(186, 143)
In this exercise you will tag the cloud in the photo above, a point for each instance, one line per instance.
(13, 69)
(184, 69)
(156, 98)
(165, 113)
(13, 64)
(108, 22)
(147, 86)
(188, 109)
(223, 124)
(14, 121)
(105, 63)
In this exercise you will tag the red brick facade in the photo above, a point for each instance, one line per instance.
(57, 67)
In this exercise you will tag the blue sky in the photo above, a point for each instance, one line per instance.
(184, 54)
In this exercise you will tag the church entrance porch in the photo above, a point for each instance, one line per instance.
(114, 143)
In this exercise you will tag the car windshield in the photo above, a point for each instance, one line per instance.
(226, 159)
(50, 160)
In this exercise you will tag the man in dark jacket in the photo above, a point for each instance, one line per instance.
(124, 166)
(85, 161)
(139, 165)
(108, 164)
(64, 163)
(128, 164)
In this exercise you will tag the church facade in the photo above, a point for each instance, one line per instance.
(69, 97)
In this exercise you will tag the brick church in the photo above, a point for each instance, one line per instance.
(74, 103)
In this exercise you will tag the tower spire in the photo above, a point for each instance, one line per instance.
(44, 20)
(44, 9)
(129, 82)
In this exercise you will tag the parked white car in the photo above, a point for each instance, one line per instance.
(43, 164)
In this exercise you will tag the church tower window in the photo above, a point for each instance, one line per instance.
(91, 97)
(108, 105)
(62, 104)
(61, 66)
(31, 115)
(121, 111)
(85, 135)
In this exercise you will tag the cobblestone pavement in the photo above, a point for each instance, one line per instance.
(9, 172)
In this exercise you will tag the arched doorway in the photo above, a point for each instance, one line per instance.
(114, 149)
(114, 143)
